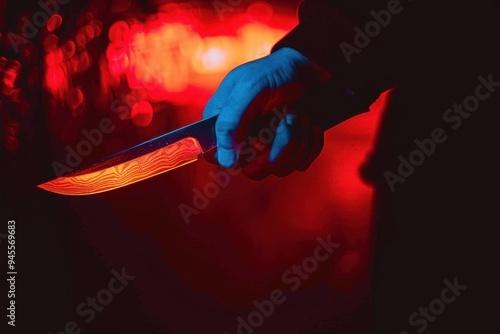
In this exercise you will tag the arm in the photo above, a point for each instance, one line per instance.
(304, 71)
(325, 35)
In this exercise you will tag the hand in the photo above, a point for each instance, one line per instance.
(251, 91)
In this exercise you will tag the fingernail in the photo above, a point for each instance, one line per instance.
(226, 158)
(273, 155)
(290, 119)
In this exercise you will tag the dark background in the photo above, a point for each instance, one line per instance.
(200, 277)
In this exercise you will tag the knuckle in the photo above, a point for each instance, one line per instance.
(224, 131)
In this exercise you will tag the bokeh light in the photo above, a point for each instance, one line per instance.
(142, 114)
(54, 22)
(152, 70)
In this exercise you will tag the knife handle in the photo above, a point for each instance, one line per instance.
(330, 104)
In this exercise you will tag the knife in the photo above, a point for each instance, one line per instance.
(143, 161)
(183, 146)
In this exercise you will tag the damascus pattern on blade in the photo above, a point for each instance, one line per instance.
(116, 176)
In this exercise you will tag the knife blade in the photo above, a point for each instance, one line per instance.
(328, 105)
(143, 161)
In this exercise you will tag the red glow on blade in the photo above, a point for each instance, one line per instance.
(157, 162)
